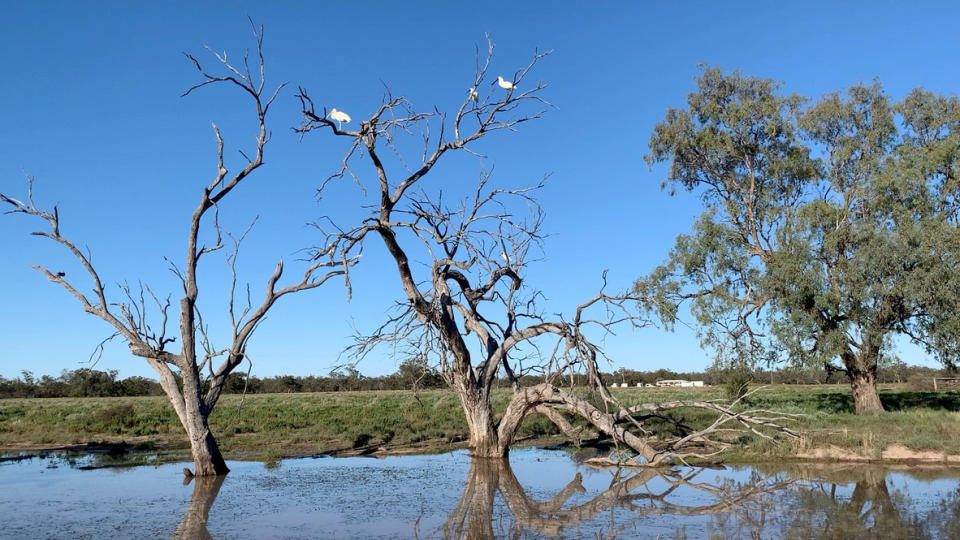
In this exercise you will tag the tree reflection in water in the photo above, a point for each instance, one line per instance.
(194, 522)
(826, 508)
(636, 493)
(774, 501)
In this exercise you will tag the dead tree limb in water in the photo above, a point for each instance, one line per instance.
(192, 378)
(470, 310)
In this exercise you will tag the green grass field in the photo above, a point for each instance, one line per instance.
(271, 426)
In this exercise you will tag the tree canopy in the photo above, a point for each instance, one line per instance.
(828, 227)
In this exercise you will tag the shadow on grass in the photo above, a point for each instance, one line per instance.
(946, 401)
(842, 402)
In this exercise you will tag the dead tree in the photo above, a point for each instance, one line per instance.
(471, 312)
(191, 378)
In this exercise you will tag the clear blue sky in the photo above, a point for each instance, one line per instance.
(92, 109)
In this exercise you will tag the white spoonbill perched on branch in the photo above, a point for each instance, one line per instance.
(340, 117)
(474, 96)
(505, 84)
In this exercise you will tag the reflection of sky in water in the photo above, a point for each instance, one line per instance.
(395, 497)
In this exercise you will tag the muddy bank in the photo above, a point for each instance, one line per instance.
(895, 453)
(598, 453)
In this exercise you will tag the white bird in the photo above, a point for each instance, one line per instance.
(474, 96)
(340, 117)
(503, 255)
(506, 85)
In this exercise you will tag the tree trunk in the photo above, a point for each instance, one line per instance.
(207, 459)
(484, 442)
(192, 413)
(863, 382)
(861, 369)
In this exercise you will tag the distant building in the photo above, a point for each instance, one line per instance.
(678, 382)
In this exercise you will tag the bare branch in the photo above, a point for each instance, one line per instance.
(462, 266)
(141, 316)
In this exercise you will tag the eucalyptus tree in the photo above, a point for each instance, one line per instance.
(193, 377)
(828, 228)
(462, 260)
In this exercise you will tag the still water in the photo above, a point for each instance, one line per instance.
(539, 493)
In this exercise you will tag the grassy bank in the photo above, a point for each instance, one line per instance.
(281, 425)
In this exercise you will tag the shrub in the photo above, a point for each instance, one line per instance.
(118, 416)
(362, 440)
(736, 384)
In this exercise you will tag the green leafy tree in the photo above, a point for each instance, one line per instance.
(416, 373)
(828, 228)
(140, 386)
(87, 382)
(347, 377)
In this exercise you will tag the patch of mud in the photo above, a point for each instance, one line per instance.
(832, 453)
(898, 452)
(893, 453)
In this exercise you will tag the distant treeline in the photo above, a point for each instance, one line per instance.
(88, 382)
(895, 372)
